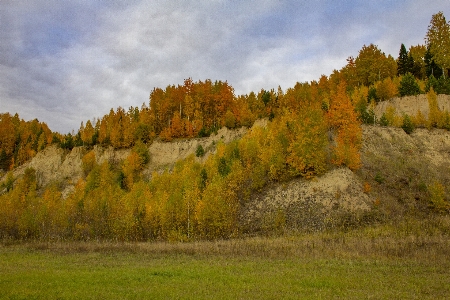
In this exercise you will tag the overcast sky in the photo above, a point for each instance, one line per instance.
(64, 62)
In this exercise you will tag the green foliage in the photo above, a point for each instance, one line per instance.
(142, 151)
(203, 179)
(265, 97)
(223, 167)
(365, 115)
(142, 133)
(379, 178)
(373, 95)
(440, 86)
(9, 181)
(407, 125)
(408, 86)
(199, 152)
(384, 120)
(431, 68)
(438, 40)
(4, 160)
(403, 63)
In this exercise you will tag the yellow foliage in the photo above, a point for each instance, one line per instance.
(88, 162)
(419, 120)
(308, 143)
(434, 114)
(387, 89)
(392, 117)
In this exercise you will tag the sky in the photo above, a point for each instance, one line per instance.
(64, 62)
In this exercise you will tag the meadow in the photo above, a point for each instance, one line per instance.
(396, 261)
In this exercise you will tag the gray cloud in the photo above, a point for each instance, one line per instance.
(66, 62)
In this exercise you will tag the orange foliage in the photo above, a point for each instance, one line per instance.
(342, 118)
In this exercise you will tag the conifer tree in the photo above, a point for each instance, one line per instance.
(408, 86)
(402, 61)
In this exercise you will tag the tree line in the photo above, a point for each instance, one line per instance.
(196, 109)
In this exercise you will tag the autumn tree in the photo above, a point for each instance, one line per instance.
(307, 150)
(434, 114)
(87, 133)
(386, 89)
(342, 118)
(373, 65)
(438, 40)
(417, 54)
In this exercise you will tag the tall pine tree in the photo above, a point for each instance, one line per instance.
(403, 61)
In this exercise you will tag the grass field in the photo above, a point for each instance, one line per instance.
(374, 263)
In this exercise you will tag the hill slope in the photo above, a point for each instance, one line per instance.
(397, 169)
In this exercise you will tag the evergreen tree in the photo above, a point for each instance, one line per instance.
(407, 125)
(403, 61)
(408, 86)
(431, 68)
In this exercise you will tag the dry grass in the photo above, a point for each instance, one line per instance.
(409, 239)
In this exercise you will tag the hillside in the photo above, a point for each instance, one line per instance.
(396, 172)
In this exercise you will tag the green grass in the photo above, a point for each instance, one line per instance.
(373, 263)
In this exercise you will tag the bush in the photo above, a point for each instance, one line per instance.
(383, 120)
(379, 178)
(407, 125)
(199, 152)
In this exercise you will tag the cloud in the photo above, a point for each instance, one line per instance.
(66, 62)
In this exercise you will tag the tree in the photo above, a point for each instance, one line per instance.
(434, 114)
(431, 68)
(343, 119)
(373, 65)
(407, 124)
(438, 40)
(308, 142)
(403, 61)
(386, 89)
(408, 86)
(87, 133)
(417, 53)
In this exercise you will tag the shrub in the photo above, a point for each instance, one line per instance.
(383, 120)
(379, 178)
(407, 125)
(199, 152)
